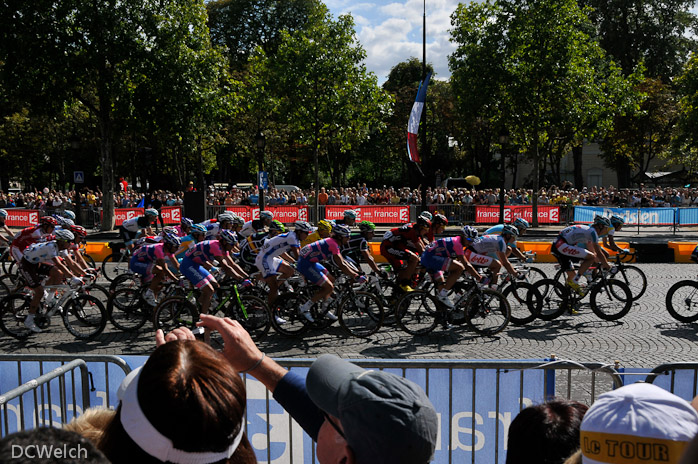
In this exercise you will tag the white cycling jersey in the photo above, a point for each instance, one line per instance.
(489, 244)
(41, 252)
(579, 235)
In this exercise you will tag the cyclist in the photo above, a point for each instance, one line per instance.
(349, 218)
(448, 254)
(490, 251)
(197, 233)
(617, 223)
(270, 263)
(310, 267)
(324, 228)
(73, 252)
(257, 225)
(195, 263)
(438, 226)
(132, 228)
(149, 262)
(250, 246)
(580, 242)
(357, 248)
(184, 227)
(32, 234)
(402, 247)
(43, 259)
(4, 228)
(521, 225)
(214, 228)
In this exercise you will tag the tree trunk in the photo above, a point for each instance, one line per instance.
(107, 162)
(536, 179)
(577, 159)
(623, 172)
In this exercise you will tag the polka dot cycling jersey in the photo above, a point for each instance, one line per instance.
(321, 250)
(448, 247)
(41, 252)
(489, 244)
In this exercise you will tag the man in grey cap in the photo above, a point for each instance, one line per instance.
(355, 415)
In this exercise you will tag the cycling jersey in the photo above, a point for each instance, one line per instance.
(449, 247)
(249, 247)
(497, 230)
(180, 232)
(187, 243)
(136, 224)
(151, 253)
(41, 252)
(267, 260)
(251, 227)
(26, 237)
(321, 250)
(212, 231)
(205, 251)
(404, 237)
(579, 235)
(355, 247)
(488, 244)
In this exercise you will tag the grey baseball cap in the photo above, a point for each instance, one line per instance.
(386, 418)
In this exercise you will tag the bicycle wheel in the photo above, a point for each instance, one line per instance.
(252, 313)
(6, 259)
(611, 301)
(175, 312)
(89, 260)
(13, 310)
(127, 280)
(4, 290)
(361, 314)
(126, 310)
(634, 278)
(523, 301)
(554, 299)
(290, 323)
(114, 265)
(535, 274)
(487, 312)
(416, 313)
(389, 296)
(99, 292)
(682, 301)
(84, 316)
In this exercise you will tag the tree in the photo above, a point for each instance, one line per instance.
(98, 53)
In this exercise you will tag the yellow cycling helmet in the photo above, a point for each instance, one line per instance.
(324, 225)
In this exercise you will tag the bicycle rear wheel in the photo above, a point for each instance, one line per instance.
(256, 321)
(13, 310)
(84, 316)
(523, 301)
(611, 301)
(682, 301)
(416, 313)
(534, 275)
(128, 279)
(126, 310)
(487, 312)
(554, 299)
(175, 312)
(634, 278)
(291, 322)
(361, 314)
(115, 265)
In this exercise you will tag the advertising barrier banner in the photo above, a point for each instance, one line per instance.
(375, 214)
(632, 216)
(171, 214)
(288, 214)
(21, 217)
(490, 214)
(122, 214)
(248, 213)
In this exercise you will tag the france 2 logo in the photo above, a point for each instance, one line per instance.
(33, 218)
(404, 215)
(303, 214)
(175, 212)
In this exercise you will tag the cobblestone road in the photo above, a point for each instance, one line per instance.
(647, 336)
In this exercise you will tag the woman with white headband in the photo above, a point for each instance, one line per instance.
(186, 405)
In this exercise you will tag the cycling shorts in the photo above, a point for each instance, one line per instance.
(566, 253)
(397, 257)
(197, 274)
(34, 273)
(142, 268)
(435, 265)
(127, 235)
(268, 266)
(476, 259)
(316, 273)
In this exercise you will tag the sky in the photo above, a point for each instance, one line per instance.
(391, 32)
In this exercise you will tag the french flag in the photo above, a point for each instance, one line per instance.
(415, 116)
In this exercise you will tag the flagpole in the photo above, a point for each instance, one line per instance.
(424, 113)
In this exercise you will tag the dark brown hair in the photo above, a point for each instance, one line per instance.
(191, 395)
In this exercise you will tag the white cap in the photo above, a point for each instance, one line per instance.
(637, 423)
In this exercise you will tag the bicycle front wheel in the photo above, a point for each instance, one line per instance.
(175, 312)
(115, 265)
(126, 310)
(416, 313)
(634, 278)
(253, 314)
(611, 301)
(84, 317)
(285, 317)
(361, 314)
(554, 299)
(682, 301)
(523, 301)
(13, 310)
(487, 312)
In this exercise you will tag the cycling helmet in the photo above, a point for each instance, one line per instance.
(151, 212)
(171, 239)
(266, 215)
(186, 222)
(602, 221)
(67, 223)
(169, 230)
(367, 226)
(617, 220)
(324, 225)
(78, 231)
(226, 217)
(424, 222)
(229, 237)
(521, 223)
(3, 214)
(425, 214)
(341, 230)
(469, 232)
(439, 219)
(302, 226)
(48, 220)
(64, 235)
(197, 229)
(237, 220)
(509, 229)
(351, 213)
(277, 226)
(69, 214)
